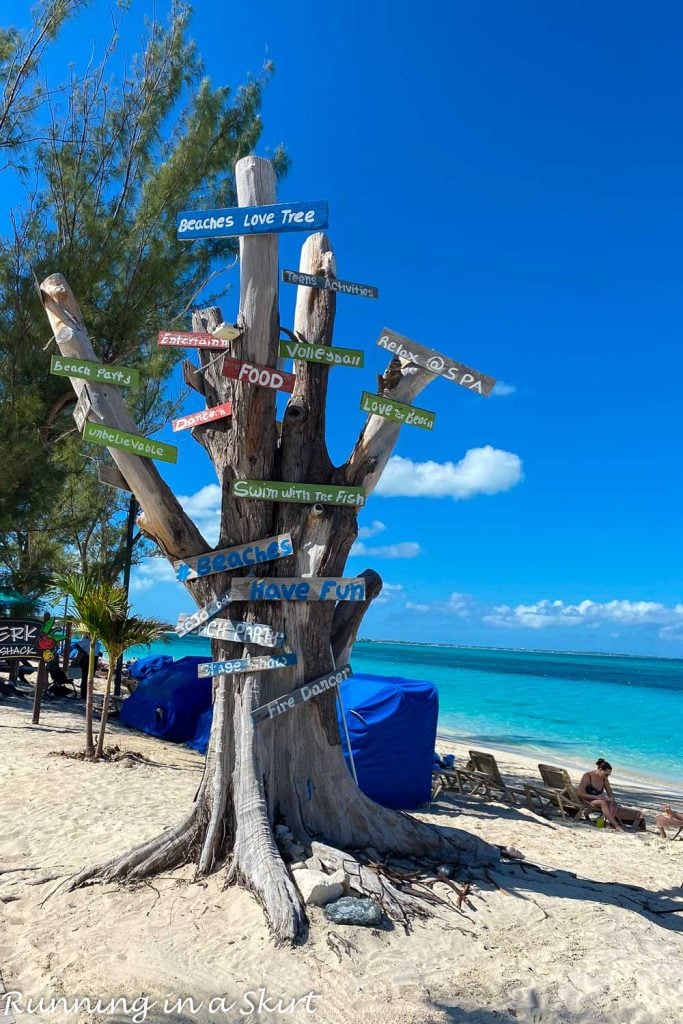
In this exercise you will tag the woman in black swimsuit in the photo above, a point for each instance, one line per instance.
(596, 791)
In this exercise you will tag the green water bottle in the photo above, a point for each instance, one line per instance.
(600, 822)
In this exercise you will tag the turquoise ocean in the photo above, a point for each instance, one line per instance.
(545, 704)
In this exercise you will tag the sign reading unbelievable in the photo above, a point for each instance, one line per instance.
(209, 611)
(298, 588)
(196, 419)
(300, 696)
(397, 411)
(190, 339)
(98, 373)
(266, 376)
(240, 632)
(321, 354)
(262, 663)
(404, 348)
(330, 284)
(251, 220)
(306, 494)
(111, 437)
(234, 558)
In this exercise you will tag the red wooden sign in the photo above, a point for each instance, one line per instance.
(251, 373)
(216, 412)
(187, 339)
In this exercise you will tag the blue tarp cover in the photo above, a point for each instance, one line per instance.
(168, 702)
(146, 666)
(200, 739)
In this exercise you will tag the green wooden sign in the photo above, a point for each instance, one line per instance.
(97, 373)
(306, 494)
(321, 354)
(111, 437)
(399, 412)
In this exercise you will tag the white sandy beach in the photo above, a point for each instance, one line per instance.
(543, 947)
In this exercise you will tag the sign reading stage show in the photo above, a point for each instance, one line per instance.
(190, 339)
(399, 412)
(404, 348)
(111, 437)
(306, 494)
(97, 373)
(234, 558)
(240, 632)
(251, 220)
(262, 663)
(290, 700)
(20, 638)
(266, 376)
(298, 588)
(209, 611)
(321, 353)
(196, 419)
(330, 284)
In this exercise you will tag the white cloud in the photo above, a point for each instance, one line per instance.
(461, 605)
(365, 532)
(404, 549)
(151, 573)
(502, 390)
(389, 592)
(485, 470)
(204, 506)
(588, 613)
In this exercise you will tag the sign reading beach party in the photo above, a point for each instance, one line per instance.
(98, 373)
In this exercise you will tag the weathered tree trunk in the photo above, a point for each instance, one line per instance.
(290, 769)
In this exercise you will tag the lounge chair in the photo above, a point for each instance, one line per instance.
(557, 792)
(480, 777)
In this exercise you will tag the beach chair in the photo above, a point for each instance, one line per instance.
(557, 792)
(482, 777)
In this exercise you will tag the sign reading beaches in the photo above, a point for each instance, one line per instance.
(330, 284)
(251, 220)
(404, 348)
(234, 558)
(190, 339)
(290, 700)
(306, 494)
(195, 419)
(298, 588)
(399, 412)
(111, 437)
(209, 611)
(252, 373)
(262, 663)
(240, 632)
(321, 353)
(98, 373)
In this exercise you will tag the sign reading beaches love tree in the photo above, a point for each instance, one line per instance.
(252, 220)
(433, 361)
(307, 494)
(111, 437)
(290, 700)
(98, 373)
(399, 412)
(239, 557)
(262, 663)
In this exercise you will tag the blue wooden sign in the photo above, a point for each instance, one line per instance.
(263, 663)
(251, 220)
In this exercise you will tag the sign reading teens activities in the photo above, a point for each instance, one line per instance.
(330, 284)
(266, 376)
(404, 348)
(306, 494)
(262, 663)
(98, 373)
(111, 437)
(188, 339)
(209, 611)
(300, 696)
(234, 558)
(298, 588)
(321, 354)
(251, 220)
(240, 632)
(195, 419)
(397, 411)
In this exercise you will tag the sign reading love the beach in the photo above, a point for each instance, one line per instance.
(196, 419)
(266, 376)
(111, 437)
(19, 638)
(254, 553)
(330, 284)
(209, 611)
(240, 632)
(300, 696)
(98, 373)
(263, 663)
(251, 220)
(397, 411)
(298, 588)
(433, 361)
(306, 494)
(190, 339)
(321, 354)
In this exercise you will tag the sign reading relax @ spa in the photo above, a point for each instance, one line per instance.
(262, 663)
(330, 284)
(306, 494)
(298, 588)
(290, 700)
(266, 376)
(404, 348)
(321, 354)
(397, 411)
(98, 373)
(190, 339)
(255, 553)
(195, 419)
(252, 220)
(111, 437)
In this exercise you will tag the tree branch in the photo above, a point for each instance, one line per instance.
(348, 616)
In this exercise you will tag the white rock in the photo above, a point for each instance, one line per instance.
(314, 864)
(317, 888)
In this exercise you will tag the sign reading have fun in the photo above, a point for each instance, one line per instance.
(97, 373)
(433, 361)
(255, 553)
(300, 696)
(251, 220)
(262, 663)
(399, 412)
(298, 588)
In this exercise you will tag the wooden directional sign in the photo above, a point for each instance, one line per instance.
(330, 284)
(112, 437)
(209, 611)
(111, 476)
(298, 588)
(300, 696)
(266, 376)
(263, 663)
(240, 632)
(97, 373)
(20, 638)
(234, 558)
(442, 365)
(251, 220)
(196, 419)
(306, 494)
(190, 339)
(321, 354)
(227, 332)
(83, 408)
(397, 411)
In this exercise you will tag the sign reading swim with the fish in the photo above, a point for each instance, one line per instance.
(298, 588)
(262, 663)
(191, 339)
(112, 437)
(330, 284)
(290, 700)
(252, 220)
(240, 632)
(97, 373)
(252, 373)
(239, 557)
(326, 354)
(307, 494)
(433, 361)
(196, 419)
(209, 611)
(399, 412)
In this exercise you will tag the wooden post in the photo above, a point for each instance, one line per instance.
(38, 695)
(67, 647)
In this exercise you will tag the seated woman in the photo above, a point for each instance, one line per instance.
(668, 819)
(596, 792)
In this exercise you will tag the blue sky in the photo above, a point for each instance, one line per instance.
(509, 175)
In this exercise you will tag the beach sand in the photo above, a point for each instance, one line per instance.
(543, 947)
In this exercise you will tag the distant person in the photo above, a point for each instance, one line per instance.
(82, 660)
(595, 790)
(668, 819)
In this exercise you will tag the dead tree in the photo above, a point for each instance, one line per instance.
(290, 769)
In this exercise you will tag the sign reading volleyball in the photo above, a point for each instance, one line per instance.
(433, 361)
(252, 373)
(252, 220)
(255, 553)
(262, 663)
(330, 284)
(112, 437)
(325, 354)
(195, 419)
(306, 494)
(290, 700)
(399, 412)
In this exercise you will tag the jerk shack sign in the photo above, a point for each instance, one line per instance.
(442, 365)
(27, 638)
